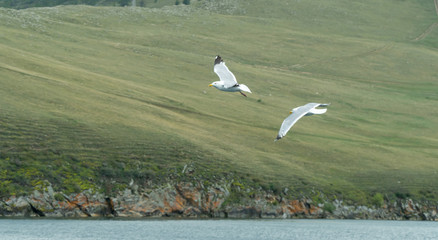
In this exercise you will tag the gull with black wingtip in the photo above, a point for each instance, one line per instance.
(297, 113)
(227, 81)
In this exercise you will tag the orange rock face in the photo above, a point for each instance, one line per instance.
(296, 207)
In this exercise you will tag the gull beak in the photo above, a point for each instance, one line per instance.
(210, 85)
(291, 112)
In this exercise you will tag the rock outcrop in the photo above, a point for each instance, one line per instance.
(189, 200)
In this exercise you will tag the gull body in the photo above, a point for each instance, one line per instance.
(297, 113)
(227, 81)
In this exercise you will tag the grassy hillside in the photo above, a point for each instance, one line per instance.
(97, 96)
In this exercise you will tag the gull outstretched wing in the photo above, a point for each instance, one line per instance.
(293, 118)
(225, 75)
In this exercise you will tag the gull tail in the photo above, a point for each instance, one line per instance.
(243, 87)
(317, 111)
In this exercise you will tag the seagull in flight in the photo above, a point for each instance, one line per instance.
(297, 113)
(227, 81)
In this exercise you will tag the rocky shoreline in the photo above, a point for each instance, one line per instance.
(188, 200)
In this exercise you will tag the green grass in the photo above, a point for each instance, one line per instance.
(95, 93)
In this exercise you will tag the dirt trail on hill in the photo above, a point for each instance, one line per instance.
(436, 6)
(430, 28)
(427, 31)
(343, 58)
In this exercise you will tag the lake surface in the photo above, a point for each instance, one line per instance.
(215, 229)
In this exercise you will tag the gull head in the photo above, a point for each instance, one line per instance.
(214, 84)
(293, 110)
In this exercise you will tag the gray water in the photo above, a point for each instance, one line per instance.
(215, 229)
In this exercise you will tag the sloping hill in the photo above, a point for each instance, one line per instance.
(97, 96)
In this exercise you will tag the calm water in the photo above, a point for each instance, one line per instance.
(215, 229)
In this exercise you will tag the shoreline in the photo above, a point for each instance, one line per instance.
(197, 219)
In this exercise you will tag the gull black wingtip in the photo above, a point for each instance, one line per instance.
(218, 60)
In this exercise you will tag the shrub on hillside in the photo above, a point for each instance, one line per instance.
(329, 207)
(377, 200)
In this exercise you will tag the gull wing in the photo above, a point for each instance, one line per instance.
(225, 75)
(293, 118)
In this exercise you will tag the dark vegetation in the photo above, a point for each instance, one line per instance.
(21, 4)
